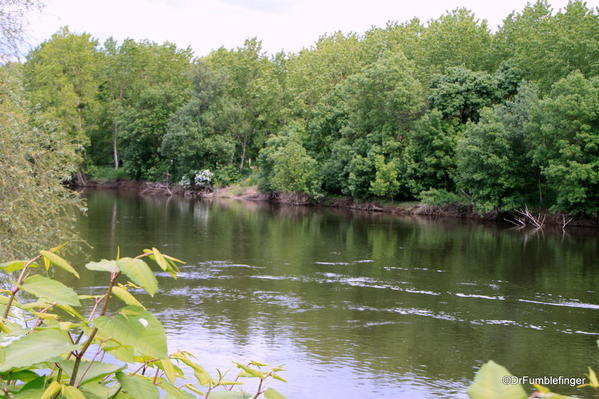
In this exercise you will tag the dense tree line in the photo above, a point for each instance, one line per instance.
(441, 111)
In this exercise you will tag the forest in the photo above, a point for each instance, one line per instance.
(445, 111)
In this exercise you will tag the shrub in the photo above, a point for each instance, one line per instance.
(441, 197)
(47, 343)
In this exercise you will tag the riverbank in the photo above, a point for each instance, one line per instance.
(251, 193)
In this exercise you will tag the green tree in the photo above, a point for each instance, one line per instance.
(564, 130)
(385, 183)
(152, 83)
(461, 93)
(547, 47)
(430, 159)
(61, 77)
(36, 158)
(493, 163)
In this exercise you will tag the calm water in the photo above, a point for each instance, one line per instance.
(358, 305)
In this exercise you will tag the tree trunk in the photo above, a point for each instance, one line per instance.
(115, 151)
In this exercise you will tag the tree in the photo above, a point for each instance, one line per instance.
(547, 47)
(385, 183)
(151, 83)
(564, 130)
(61, 78)
(199, 136)
(493, 158)
(461, 93)
(430, 159)
(36, 157)
(286, 166)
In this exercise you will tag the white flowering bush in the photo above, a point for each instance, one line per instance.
(203, 178)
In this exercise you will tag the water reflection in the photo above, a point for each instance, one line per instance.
(359, 305)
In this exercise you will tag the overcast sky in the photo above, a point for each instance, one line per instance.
(280, 24)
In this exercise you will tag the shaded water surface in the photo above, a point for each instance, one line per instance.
(358, 305)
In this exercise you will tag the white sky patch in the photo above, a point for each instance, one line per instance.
(209, 24)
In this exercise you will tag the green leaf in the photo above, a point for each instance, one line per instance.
(489, 383)
(137, 386)
(169, 370)
(96, 390)
(50, 290)
(36, 347)
(159, 259)
(140, 273)
(135, 327)
(52, 390)
(97, 371)
(60, 262)
(70, 392)
(251, 371)
(32, 390)
(172, 392)
(103, 266)
(23, 375)
(272, 393)
(124, 295)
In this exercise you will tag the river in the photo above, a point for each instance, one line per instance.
(358, 305)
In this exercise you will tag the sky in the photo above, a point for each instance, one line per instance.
(205, 25)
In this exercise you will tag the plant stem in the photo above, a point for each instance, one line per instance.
(17, 288)
(93, 333)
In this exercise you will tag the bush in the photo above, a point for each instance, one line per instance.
(441, 197)
(106, 173)
(45, 341)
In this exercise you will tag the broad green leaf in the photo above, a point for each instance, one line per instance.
(140, 273)
(251, 371)
(90, 373)
(103, 266)
(272, 393)
(95, 390)
(490, 383)
(60, 262)
(50, 290)
(36, 347)
(137, 386)
(137, 328)
(124, 295)
(23, 375)
(159, 259)
(172, 392)
(278, 377)
(70, 392)
(169, 370)
(52, 390)
(229, 395)
(32, 390)
(13, 266)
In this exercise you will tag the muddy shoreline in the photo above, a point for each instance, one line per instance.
(298, 199)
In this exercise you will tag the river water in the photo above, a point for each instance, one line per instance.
(358, 305)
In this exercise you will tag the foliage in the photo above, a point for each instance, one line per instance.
(36, 157)
(430, 159)
(493, 381)
(411, 93)
(50, 350)
(287, 167)
(106, 173)
(385, 182)
(565, 131)
(494, 166)
(440, 197)
(61, 77)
